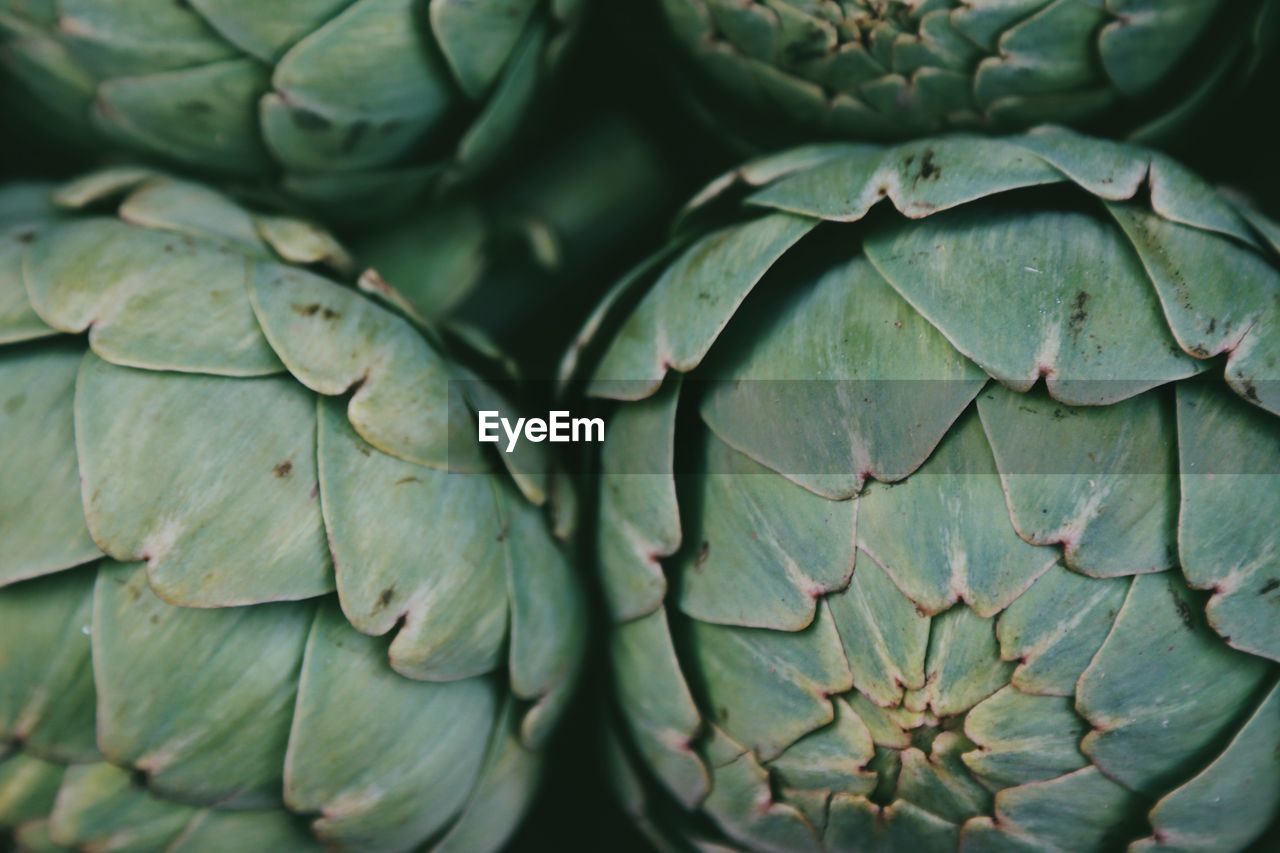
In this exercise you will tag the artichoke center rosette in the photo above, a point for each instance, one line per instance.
(892, 69)
(259, 588)
(939, 501)
(351, 104)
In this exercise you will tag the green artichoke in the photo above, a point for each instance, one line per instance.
(875, 584)
(345, 102)
(182, 493)
(891, 69)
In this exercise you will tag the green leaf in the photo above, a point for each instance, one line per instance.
(213, 831)
(680, 317)
(767, 550)
(741, 803)
(855, 823)
(962, 667)
(919, 178)
(941, 781)
(101, 808)
(334, 340)
(1023, 738)
(1232, 801)
(639, 517)
(1213, 291)
(885, 637)
(267, 31)
(1083, 810)
(833, 758)
(1056, 626)
(971, 553)
(389, 94)
(202, 117)
(1230, 457)
(46, 677)
(1075, 305)
(548, 618)
(347, 760)
(657, 706)
(28, 786)
(445, 580)
(1101, 481)
(223, 741)
(841, 382)
(18, 320)
(140, 292)
(1047, 53)
(1101, 167)
(137, 37)
(501, 115)
(770, 688)
(477, 37)
(508, 785)
(41, 521)
(211, 480)
(1148, 38)
(1144, 692)
(198, 211)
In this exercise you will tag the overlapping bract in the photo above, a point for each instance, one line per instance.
(866, 69)
(939, 504)
(182, 492)
(352, 104)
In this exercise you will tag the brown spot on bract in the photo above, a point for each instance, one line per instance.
(1184, 612)
(1078, 312)
(315, 308)
(1270, 586)
(704, 551)
(929, 170)
(1251, 392)
(404, 480)
(384, 597)
(283, 469)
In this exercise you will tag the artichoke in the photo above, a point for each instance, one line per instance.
(892, 69)
(939, 505)
(342, 101)
(184, 489)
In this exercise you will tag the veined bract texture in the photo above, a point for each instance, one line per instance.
(939, 504)
(344, 102)
(259, 589)
(892, 69)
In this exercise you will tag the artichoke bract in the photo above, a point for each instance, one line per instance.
(939, 502)
(491, 259)
(346, 102)
(260, 589)
(890, 69)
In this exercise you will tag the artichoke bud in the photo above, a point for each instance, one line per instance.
(776, 70)
(352, 107)
(938, 504)
(260, 588)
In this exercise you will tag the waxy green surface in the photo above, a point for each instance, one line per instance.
(949, 521)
